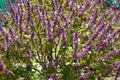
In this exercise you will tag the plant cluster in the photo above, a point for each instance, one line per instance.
(59, 40)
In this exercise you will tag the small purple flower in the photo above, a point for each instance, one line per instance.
(52, 77)
(29, 53)
(60, 9)
(55, 64)
(64, 17)
(44, 66)
(6, 71)
(32, 36)
(1, 62)
(73, 14)
(85, 75)
(87, 4)
(29, 68)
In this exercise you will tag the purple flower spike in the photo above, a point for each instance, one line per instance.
(115, 65)
(117, 73)
(38, 13)
(64, 36)
(7, 41)
(95, 34)
(111, 54)
(75, 42)
(112, 36)
(93, 19)
(84, 53)
(49, 31)
(29, 53)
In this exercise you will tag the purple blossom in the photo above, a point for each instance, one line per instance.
(6, 71)
(29, 68)
(20, 16)
(1, 62)
(67, 2)
(60, 9)
(75, 42)
(64, 17)
(86, 75)
(55, 64)
(44, 14)
(18, 41)
(32, 36)
(52, 77)
(73, 14)
(44, 66)
(29, 53)
(87, 4)
(12, 33)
